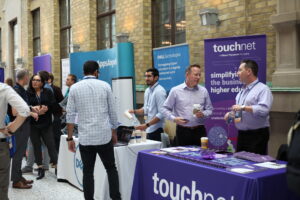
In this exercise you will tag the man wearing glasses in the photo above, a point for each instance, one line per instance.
(154, 98)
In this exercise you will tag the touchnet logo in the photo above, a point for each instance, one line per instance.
(234, 47)
(78, 166)
(176, 191)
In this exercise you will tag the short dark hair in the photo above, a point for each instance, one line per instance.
(90, 67)
(251, 64)
(51, 77)
(189, 68)
(44, 74)
(73, 77)
(154, 71)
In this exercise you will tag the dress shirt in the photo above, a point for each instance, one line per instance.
(9, 96)
(180, 104)
(93, 101)
(259, 96)
(154, 97)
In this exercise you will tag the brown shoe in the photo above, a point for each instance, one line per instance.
(21, 185)
(26, 181)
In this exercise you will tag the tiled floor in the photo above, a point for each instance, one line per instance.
(46, 189)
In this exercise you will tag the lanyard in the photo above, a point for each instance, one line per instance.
(246, 94)
(38, 98)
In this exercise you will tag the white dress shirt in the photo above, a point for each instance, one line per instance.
(93, 102)
(9, 96)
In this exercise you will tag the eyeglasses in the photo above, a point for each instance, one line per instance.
(36, 80)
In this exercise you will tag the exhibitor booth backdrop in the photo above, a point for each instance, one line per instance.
(117, 69)
(2, 75)
(222, 60)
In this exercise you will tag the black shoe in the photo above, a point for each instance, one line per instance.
(41, 173)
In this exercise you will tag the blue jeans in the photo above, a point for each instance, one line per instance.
(88, 157)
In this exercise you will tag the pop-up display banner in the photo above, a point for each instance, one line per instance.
(222, 60)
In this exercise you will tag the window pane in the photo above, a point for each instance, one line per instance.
(15, 42)
(103, 33)
(113, 4)
(36, 23)
(103, 6)
(113, 29)
(36, 46)
(64, 13)
(64, 43)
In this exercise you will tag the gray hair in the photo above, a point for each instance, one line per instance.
(21, 74)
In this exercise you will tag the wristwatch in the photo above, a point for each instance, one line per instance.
(147, 124)
(69, 139)
(243, 107)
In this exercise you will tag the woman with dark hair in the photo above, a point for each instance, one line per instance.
(41, 100)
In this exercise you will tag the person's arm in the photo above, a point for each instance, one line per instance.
(139, 111)
(20, 105)
(208, 108)
(70, 118)
(113, 118)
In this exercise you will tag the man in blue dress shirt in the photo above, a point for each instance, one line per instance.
(254, 102)
(154, 98)
(180, 104)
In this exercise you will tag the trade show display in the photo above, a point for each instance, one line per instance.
(194, 173)
(69, 167)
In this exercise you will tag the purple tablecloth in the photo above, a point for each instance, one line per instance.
(162, 177)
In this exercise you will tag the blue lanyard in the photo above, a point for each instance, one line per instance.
(246, 94)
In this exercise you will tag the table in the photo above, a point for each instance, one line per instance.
(163, 177)
(69, 167)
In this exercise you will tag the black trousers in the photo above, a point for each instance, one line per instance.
(189, 136)
(155, 135)
(88, 157)
(255, 141)
(46, 134)
(21, 136)
(56, 124)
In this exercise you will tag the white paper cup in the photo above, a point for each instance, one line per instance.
(138, 136)
(144, 136)
(128, 115)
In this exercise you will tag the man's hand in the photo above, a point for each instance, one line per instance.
(71, 146)
(131, 111)
(199, 114)
(141, 127)
(180, 120)
(236, 107)
(226, 116)
(114, 136)
(34, 115)
(5, 131)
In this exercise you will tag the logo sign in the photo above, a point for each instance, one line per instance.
(78, 166)
(222, 59)
(171, 63)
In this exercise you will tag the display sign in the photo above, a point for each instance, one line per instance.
(171, 63)
(65, 71)
(42, 63)
(222, 60)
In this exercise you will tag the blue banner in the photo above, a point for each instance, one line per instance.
(116, 68)
(171, 63)
(2, 75)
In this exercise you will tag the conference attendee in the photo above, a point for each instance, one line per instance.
(154, 98)
(253, 104)
(46, 77)
(188, 105)
(92, 99)
(71, 80)
(9, 81)
(42, 128)
(21, 135)
(57, 111)
(8, 96)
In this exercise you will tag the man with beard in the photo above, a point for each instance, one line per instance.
(154, 98)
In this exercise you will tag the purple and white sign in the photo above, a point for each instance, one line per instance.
(222, 60)
(1, 75)
(42, 63)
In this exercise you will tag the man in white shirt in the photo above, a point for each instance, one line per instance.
(91, 99)
(9, 96)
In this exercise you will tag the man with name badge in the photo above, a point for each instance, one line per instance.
(188, 105)
(93, 101)
(253, 104)
(154, 98)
